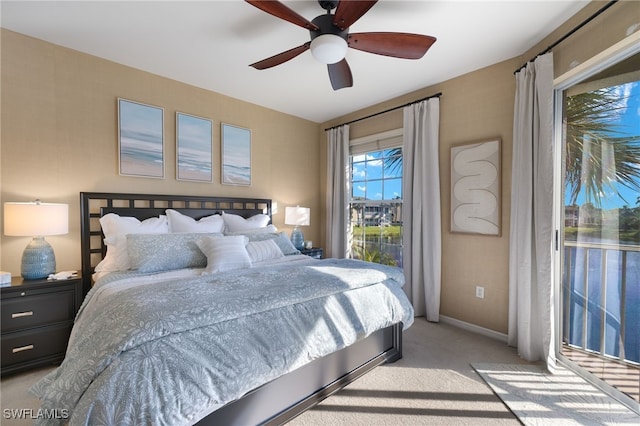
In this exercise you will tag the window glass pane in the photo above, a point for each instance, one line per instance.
(393, 166)
(374, 190)
(358, 172)
(358, 191)
(358, 158)
(392, 189)
(374, 168)
(393, 163)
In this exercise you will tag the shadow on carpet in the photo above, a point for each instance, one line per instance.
(539, 398)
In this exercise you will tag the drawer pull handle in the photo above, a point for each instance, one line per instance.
(22, 348)
(22, 314)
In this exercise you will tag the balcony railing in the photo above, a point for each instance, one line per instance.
(601, 299)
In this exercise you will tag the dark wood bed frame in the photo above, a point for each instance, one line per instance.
(280, 400)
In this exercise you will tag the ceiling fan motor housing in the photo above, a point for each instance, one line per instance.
(329, 43)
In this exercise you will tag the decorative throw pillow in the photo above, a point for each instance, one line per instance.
(179, 222)
(225, 253)
(115, 229)
(263, 250)
(285, 244)
(236, 223)
(156, 253)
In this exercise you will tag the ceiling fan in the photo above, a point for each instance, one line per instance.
(330, 38)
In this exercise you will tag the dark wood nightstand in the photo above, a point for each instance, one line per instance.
(37, 317)
(315, 252)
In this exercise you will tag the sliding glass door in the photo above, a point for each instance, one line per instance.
(600, 226)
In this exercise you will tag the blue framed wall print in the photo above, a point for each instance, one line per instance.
(194, 152)
(236, 155)
(140, 139)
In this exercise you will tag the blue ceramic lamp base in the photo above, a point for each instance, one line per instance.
(297, 239)
(38, 260)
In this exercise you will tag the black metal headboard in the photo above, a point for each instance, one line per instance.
(94, 205)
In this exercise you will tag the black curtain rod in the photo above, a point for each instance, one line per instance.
(437, 95)
(570, 33)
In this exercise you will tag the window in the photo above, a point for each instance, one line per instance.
(375, 226)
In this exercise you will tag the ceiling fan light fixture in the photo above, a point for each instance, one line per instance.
(329, 48)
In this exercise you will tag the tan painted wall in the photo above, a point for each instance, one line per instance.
(59, 137)
(475, 107)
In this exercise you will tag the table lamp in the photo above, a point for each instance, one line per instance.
(36, 220)
(297, 216)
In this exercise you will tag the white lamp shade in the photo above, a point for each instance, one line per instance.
(329, 48)
(35, 219)
(297, 216)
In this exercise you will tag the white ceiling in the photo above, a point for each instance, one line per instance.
(210, 44)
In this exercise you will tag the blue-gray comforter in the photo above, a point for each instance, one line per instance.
(173, 351)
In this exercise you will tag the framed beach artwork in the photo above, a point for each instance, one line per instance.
(140, 139)
(475, 188)
(236, 155)
(194, 153)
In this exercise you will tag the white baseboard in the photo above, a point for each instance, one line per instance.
(474, 328)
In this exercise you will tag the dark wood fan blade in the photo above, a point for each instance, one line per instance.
(349, 11)
(398, 45)
(340, 75)
(281, 11)
(281, 57)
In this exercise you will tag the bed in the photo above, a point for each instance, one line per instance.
(206, 341)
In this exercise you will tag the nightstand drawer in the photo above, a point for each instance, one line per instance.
(39, 309)
(25, 346)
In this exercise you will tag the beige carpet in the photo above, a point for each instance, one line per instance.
(539, 398)
(433, 384)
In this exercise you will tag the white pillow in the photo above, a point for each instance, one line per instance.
(179, 222)
(263, 250)
(236, 223)
(224, 253)
(115, 229)
(117, 258)
(113, 224)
